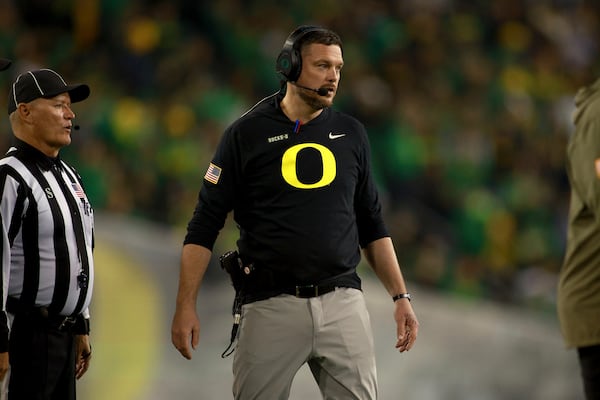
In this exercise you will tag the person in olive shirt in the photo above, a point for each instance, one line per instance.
(579, 284)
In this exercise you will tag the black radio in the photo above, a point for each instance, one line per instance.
(232, 264)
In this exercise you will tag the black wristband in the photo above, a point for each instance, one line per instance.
(82, 326)
(401, 296)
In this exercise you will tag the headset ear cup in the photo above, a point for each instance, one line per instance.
(289, 64)
(289, 61)
(296, 65)
(284, 64)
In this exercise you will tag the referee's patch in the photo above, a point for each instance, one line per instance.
(213, 173)
(597, 165)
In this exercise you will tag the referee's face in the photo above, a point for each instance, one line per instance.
(52, 125)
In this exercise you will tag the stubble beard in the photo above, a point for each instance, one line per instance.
(312, 101)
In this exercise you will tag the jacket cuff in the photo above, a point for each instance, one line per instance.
(82, 326)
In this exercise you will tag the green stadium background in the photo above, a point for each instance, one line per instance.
(467, 104)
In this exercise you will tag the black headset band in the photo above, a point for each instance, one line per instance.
(293, 41)
(289, 61)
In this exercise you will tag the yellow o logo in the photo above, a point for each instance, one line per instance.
(288, 166)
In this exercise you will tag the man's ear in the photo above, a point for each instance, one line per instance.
(24, 111)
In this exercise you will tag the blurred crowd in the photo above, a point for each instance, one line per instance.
(467, 104)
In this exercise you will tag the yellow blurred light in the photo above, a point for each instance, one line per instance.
(179, 120)
(515, 36)
(129, 119)
(143, 35)
(516, 80)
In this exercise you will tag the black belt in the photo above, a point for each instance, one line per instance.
(41, 314)
(262, 283)
(308, 291)
(300, 291)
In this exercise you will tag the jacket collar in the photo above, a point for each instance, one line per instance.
(29, 153)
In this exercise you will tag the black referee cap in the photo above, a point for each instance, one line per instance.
(4, 64)
(45, 83)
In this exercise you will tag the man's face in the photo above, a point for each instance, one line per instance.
(51, 119)
(321, 68)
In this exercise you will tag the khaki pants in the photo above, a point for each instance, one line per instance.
(332, 333)
(4, 386)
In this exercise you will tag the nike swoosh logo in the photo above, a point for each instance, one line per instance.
(336, 135)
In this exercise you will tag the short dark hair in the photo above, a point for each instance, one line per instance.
(321, 36)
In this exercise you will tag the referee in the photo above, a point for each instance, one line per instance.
(47, 242)
(4, 65)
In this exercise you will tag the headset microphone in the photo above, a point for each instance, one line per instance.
(320, 91)
(76, 127)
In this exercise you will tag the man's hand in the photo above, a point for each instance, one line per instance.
(185, 330)
(83, 352)
(407, 325)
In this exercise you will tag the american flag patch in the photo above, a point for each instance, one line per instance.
(78, 190)
(213, 173)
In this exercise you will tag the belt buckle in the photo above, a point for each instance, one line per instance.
(307, 291)
(67, 320)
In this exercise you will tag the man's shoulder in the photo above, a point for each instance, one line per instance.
(267, 106)
(12, 166)
(258, 116)
(9, 157)
(345, 121)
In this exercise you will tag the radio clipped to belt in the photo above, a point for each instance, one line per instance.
(233, 265)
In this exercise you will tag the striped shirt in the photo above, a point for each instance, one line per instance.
(47, 235)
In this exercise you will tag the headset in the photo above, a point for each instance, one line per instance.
(289, 61)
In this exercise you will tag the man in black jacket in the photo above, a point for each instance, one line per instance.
(297, 176)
